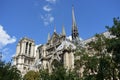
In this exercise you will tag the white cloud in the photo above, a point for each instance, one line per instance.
(51, 1)
(47, 8)
(47, 19)
(81, 39)
(5, 38)
(5, 53)
(70, 38)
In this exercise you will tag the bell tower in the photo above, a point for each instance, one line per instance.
(25, 54)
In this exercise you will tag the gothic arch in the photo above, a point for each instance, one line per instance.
(26, 47)
(30, 45)
(55, 63)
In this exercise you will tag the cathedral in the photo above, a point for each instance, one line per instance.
(57, 49)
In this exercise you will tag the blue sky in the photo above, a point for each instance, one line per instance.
(36, 18)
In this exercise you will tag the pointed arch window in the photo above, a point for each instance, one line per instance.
(26, 48)
(30, 48)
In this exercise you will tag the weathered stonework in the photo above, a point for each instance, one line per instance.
(57, 49)
(24, 56)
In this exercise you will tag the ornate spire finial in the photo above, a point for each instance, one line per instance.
(63, 31)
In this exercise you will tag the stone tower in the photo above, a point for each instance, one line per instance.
(25, 55)
(75, 34)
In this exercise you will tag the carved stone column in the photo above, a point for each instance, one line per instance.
(32, 47)
(66, 60)
(23, 48)
(71, 60)
(28, 49)
(18, 49)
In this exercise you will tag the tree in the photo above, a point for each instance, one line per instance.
(105, 65)
(58, 73)
(86, 64)
(114, 43)
(9, 72)
(31, 75)
(113, 46)
(44, 75)
(109, 66)
(94, 60)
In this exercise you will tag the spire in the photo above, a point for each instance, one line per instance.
(54, 28)
(75, 34)
(63, 31)
(73, 18)
(48, 36)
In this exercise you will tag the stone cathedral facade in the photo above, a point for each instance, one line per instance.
(57, 49)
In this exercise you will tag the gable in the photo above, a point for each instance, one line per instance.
(55, 37)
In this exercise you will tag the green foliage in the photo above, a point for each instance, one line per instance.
(96, 61)
(9, 72)
(99, 43)
(31, 75)
(115, 29)
(114, 43)
(86, 62)
(104, 69)
(44, 75)
(100, 61)
(59, 73)
(113, 46)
